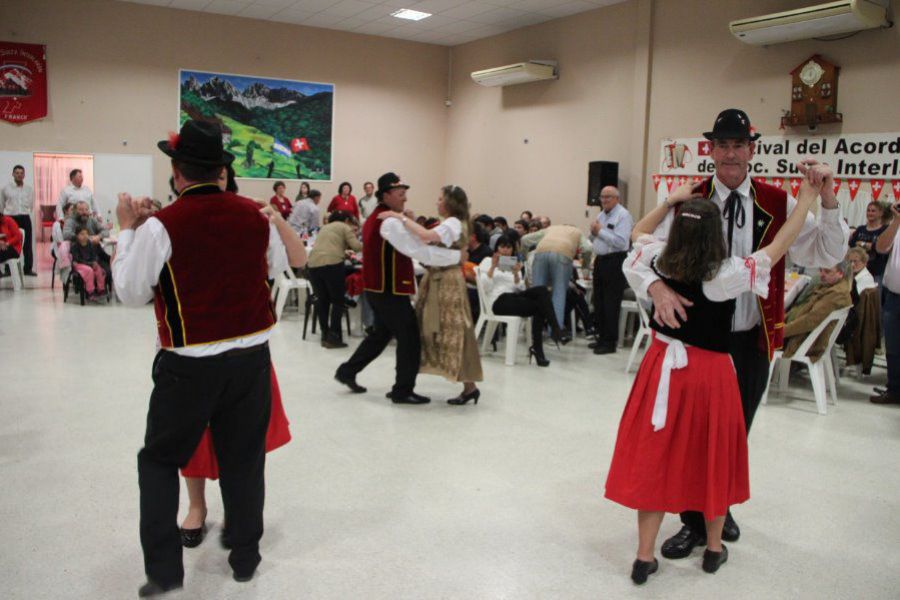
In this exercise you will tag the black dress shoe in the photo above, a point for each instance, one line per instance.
(730, 531)
(191, 538)
(243, 577)
(350, 382)
(682, 543)
(713, 560)
(410, 398)
(640, 570)
(605, 348)
(151, 588)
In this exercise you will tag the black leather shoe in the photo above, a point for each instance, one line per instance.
(713, 560)
(730, 531)
(640, 570)
(243, 577)
(151, 588)
(682, 543)
(410, 398)
(604, 348)
(191, 538)
(350, 382)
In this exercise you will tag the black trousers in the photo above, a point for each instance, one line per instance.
(24, 223)
(535, 302)
(8, 254)
(394, 318)
(232, 393)
(752, 368)
(328, 286)
(609, 286)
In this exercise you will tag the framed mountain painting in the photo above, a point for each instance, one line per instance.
(276, 128)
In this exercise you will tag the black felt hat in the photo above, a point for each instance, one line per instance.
(732, 124)
(388, 182)
(198, 143)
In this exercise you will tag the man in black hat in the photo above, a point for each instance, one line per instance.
(388, 250)
(752, 213)
(213, 366)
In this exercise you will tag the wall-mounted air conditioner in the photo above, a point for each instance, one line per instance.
(524, 72)
(831, 18)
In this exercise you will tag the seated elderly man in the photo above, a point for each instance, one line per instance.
(832, 293)
(82, 218)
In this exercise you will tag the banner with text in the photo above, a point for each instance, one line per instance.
(23, 82)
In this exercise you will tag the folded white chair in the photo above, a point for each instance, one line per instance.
(488, 319)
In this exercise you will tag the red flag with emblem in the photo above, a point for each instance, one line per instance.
(300, 145)
(795, 185)
(656, 180)
(704, 148)
(696, 179)
(836, 186)
(895, 185)
(853, 186)
(682, 180)
(778, 182)
(760, 179)
(877, 185)
(670, 183)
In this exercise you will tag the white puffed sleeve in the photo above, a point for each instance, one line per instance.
(739, 275)
(449, 231)
(637, 266)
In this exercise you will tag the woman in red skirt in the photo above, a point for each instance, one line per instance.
(682, 444)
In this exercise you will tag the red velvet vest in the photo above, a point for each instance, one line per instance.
(769, 215)
(385, 270)
(215, 287)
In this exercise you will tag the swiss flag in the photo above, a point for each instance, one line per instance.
(759, 179)
(682, 180)
(696, 179)
(670, 182)
(877, 185)
(656, 180)
(795, 185)
(896, 187)
(704, 148)
(837, 185)
(853, 185)
(299, 145)
(778, 182)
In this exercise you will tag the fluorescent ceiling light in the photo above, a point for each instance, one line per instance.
(410, 15)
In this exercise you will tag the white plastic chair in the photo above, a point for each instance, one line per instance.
(283, 287)
(627, 310)
(488, 319)
(16, 272)
(819, 371)
(643, 333)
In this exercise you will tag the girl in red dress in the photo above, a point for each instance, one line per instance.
(682, 444)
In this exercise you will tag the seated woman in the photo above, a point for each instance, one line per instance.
(507, 296)
(327, 273)
(862, 333)
(86, 261)
(831, 294)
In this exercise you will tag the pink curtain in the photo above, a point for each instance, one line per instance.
(51, 175)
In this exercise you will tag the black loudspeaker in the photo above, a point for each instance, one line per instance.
(601, 173)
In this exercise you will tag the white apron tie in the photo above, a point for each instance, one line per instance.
(675, 358)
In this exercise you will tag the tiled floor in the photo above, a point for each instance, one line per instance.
(372, 500)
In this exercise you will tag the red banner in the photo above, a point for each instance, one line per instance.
(877, 185)
(670, 183)
(23, 82)
(795, 185)
(853, 186)
(836, 186)
(896, 187)
(656, 179)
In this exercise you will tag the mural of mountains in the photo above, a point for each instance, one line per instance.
(261, 118)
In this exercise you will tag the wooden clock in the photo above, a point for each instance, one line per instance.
(813, 94)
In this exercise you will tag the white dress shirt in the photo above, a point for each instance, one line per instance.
(72, 194)
(306, 217)
(615, 231)
(822, 243)
(17, 199)
(503, 282)
(891, 279)
(366, 205)
(139, 260)
(394, 232)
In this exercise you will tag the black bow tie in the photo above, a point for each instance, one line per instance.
(735, 213)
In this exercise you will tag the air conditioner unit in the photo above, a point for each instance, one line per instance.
(832, 18)
(524, 72)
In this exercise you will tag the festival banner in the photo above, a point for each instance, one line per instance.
(276, 128)
(877, 185)
(23, 82)
(864, 156)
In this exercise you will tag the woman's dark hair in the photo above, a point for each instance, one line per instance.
(231, 185)
(276, 184)
(500, 222)
(696, 246)
(485, 220)
(510, 241)
(340, 215)
(341, 188)
(480, 233)
(431, 223)
(303, 185)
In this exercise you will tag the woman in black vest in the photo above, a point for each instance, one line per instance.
(682, 443)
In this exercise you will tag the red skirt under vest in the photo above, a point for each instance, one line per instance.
(204, 464)
(698, 460)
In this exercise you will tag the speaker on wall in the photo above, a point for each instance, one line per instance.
(601, 173)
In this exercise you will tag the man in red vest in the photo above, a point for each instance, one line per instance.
(213, 367)
(752, 215)
(388, 253)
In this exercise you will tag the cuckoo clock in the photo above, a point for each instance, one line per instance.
(813, 94)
